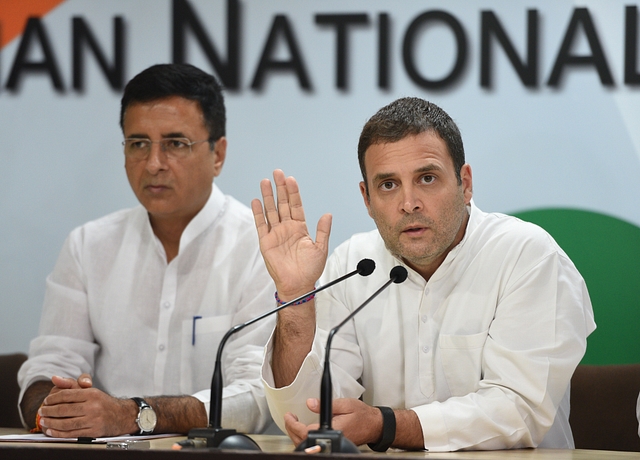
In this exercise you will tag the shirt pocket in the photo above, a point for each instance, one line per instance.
(199, 346)
(462, 361)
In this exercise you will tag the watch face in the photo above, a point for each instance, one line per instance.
(148, 419)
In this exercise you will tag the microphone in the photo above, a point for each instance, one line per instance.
(328, 439)
(226, 438)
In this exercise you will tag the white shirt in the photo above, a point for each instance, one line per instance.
(483, 352)
(115, 309)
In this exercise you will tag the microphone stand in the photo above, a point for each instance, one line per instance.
(228, 438)
(328, 439)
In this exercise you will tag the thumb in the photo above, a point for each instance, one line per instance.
(314, 405)
(63, 383)
(85, 381)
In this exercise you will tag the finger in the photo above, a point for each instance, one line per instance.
(258, 218)
(64, 383)
(85, 381)
(314, 405)
(323, 231)
(68, 396)
(69, 431)
(284, 211)
(295, 200)
(296, 430)
(270, 209)
(68, 434)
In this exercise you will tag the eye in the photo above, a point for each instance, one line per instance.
(177, 143)
(427, 179)
(387, 185)
(138, 144)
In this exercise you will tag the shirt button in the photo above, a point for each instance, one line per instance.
(167, 305)
(426, 291)
(161, 348)
(424, 318)
(425, 349)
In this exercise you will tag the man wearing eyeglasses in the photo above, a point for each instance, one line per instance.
(139, 300)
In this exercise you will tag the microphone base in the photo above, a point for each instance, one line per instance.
(223, 438)
(330, 441)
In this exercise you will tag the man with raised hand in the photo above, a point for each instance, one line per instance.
(475, 350)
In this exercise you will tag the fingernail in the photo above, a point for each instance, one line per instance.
(313, 403)
(48, 432)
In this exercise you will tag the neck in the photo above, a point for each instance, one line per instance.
(169, 232)
(428, 269)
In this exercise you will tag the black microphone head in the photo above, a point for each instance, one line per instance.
(366, 267)
(398, 274)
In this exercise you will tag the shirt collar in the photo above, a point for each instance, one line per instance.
(210, 212)
(475, 217)
(213, 208)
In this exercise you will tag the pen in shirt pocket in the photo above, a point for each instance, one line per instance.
(193, 330)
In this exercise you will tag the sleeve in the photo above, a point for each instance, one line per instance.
(346, 362)
(244, 404)
(535, 341)
(65, 344)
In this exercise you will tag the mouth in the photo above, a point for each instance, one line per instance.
(156, 188)
(414, 230)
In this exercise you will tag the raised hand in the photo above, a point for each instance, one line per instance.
(294, 260)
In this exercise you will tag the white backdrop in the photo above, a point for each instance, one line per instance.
(576, 145)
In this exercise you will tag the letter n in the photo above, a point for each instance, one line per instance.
(185, 19)
(527, 71)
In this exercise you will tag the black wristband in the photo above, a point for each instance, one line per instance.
(388, 430)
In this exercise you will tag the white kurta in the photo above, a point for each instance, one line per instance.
(483, 352)
(115, 309)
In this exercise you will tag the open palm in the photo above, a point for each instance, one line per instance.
(293, 259)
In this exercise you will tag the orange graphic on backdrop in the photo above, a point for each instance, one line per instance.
(14, 14)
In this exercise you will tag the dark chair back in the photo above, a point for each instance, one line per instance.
(603, 407)
(9, 390)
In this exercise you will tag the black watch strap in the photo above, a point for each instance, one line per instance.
(388, 430)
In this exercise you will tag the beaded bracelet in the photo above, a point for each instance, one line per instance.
(306, 299)
(38, 427)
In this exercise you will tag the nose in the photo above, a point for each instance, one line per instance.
(157, 159)
(411, 202)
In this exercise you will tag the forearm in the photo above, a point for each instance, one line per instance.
(178, 414)
(292, 341)
(408, 431)
(32, 400)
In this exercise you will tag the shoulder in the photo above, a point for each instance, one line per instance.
(111, 226)
(497, 235)
(500, 228)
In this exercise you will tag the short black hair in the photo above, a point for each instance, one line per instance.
(184, 80)
(410, 116)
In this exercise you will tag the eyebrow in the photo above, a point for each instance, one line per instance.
(164, 136)
(427, 168)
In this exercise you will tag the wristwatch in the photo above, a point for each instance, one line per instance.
(147, 418)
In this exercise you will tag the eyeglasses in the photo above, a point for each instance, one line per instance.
(173, 147)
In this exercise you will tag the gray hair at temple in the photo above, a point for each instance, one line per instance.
(410, 116)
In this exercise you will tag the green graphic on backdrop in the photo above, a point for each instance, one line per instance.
(606, 251)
